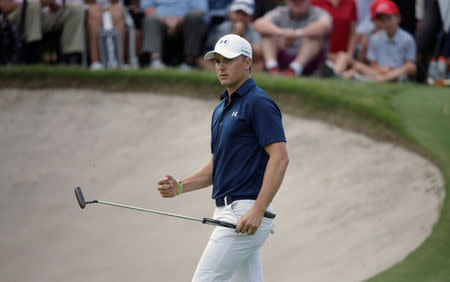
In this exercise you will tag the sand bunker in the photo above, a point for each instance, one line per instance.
(349, 207)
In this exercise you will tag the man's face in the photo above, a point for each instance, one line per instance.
(231, 72)
(239, 16)
(298, 8)
(389, 23)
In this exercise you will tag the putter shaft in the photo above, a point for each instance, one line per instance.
(148, 210)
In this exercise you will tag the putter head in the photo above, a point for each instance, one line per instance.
(80, 197)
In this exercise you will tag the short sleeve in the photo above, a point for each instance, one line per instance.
(274, 15)
(267, 122)
(321, 14)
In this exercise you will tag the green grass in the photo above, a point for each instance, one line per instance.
(415, 116)
(426, 117)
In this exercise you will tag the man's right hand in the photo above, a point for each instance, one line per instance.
(168, 186)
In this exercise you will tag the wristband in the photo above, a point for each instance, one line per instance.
(299, 32)
(180, 187)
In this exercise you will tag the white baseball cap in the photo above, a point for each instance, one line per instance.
(248, 6)
(230, 46)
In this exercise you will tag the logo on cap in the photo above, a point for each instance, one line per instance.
(382, 7)
(245, 52)
(224, 42)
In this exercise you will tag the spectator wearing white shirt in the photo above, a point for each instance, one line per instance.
(240, 17)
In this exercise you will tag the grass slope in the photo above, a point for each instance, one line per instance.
(414, 116)
(426, 117)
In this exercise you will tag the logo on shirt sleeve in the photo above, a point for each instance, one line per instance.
(234, 114)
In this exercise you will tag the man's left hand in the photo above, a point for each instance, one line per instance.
(250, 222)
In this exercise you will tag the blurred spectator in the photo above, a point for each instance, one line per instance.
(294, 37)
(342, 41)
(433, 34)
(46, 16)
(240, 23)
(94, 24)
(392, 50)
(182, 22)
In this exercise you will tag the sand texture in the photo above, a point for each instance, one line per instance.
(349, 207)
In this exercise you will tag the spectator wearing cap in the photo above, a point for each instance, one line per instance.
(240, 22)
(294, 37)
(44, 16)
(181, 21)
(392, 50)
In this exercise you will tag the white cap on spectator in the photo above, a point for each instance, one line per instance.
(248, 6)
(230, 46)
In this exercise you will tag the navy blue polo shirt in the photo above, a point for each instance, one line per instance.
(239, 131)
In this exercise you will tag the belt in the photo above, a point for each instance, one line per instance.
(227, 200)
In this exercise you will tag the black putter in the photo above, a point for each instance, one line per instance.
(82, 202)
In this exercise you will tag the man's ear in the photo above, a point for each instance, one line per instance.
(248, 62)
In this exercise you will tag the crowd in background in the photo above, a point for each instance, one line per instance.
(373, 40)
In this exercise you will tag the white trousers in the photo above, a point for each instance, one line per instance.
(229, 256)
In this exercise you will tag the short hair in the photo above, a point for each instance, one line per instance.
(243, 58)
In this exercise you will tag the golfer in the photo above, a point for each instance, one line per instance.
(247, 165)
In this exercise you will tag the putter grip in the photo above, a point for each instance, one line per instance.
(269, 214)
(218, 223)
(230, 225)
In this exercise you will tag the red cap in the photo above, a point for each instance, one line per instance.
(386, 7)
(373, 7)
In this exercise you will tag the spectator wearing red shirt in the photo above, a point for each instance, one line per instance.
(344, 15)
